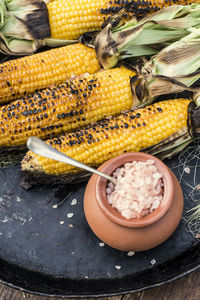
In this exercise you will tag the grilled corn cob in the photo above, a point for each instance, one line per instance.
(75, 103)
(160, 124)
(24, 75)
(61, 19)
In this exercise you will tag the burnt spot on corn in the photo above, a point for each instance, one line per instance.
(132, 8)
(103, 130)
(32, 22)
(72, 98)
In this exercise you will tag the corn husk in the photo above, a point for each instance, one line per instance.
(20, 29)
(24, 27)
(176, 143)
(147, 36)
(173, 70)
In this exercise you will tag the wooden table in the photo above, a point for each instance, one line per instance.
(185, 288)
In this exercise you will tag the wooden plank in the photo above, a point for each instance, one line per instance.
(186, 288)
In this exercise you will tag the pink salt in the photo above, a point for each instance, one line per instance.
(138, 189)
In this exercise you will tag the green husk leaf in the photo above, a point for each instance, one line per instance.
(167, 25)
(145, 50)
(11, 46)
(167, 150)
(176, 142)
(2, 13)
(23, 19)
(196, 98)
(174, 69)
(24, 24)
(57, 42)
(169, 61)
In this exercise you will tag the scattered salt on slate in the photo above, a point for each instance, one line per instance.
(153, 261)
(131, 253)
(187, 170)
(18, 199)
(70, 215)
(74, 202)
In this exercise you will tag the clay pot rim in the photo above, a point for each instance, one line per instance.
(115, 216)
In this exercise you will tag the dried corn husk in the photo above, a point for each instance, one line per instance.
(21, 30)
(147, 36)
(174, 69)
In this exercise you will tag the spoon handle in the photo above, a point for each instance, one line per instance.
(37, 146)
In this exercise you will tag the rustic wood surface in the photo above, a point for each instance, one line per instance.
(185, 288)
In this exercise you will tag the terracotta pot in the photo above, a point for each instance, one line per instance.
(133, 234)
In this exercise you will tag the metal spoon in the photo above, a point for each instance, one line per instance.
(37, 146)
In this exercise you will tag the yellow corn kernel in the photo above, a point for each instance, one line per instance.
(101, 141)
(22, 76)
(65, 107)
(77, 17)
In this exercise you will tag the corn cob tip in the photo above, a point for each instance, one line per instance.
(21, 30)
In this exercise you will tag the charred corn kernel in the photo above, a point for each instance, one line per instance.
(70, 19)
(101, 141)
(24, 75)
(77, 102)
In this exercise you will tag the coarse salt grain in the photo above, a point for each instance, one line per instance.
(62, 222)
(187, 170)
(153, 261)
(74, 202)
(131, 253)
(118, 267)
(101, 244)
(70, 215)
(55, 206)
(138, 189)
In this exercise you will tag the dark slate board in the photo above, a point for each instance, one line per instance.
(39, 254)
